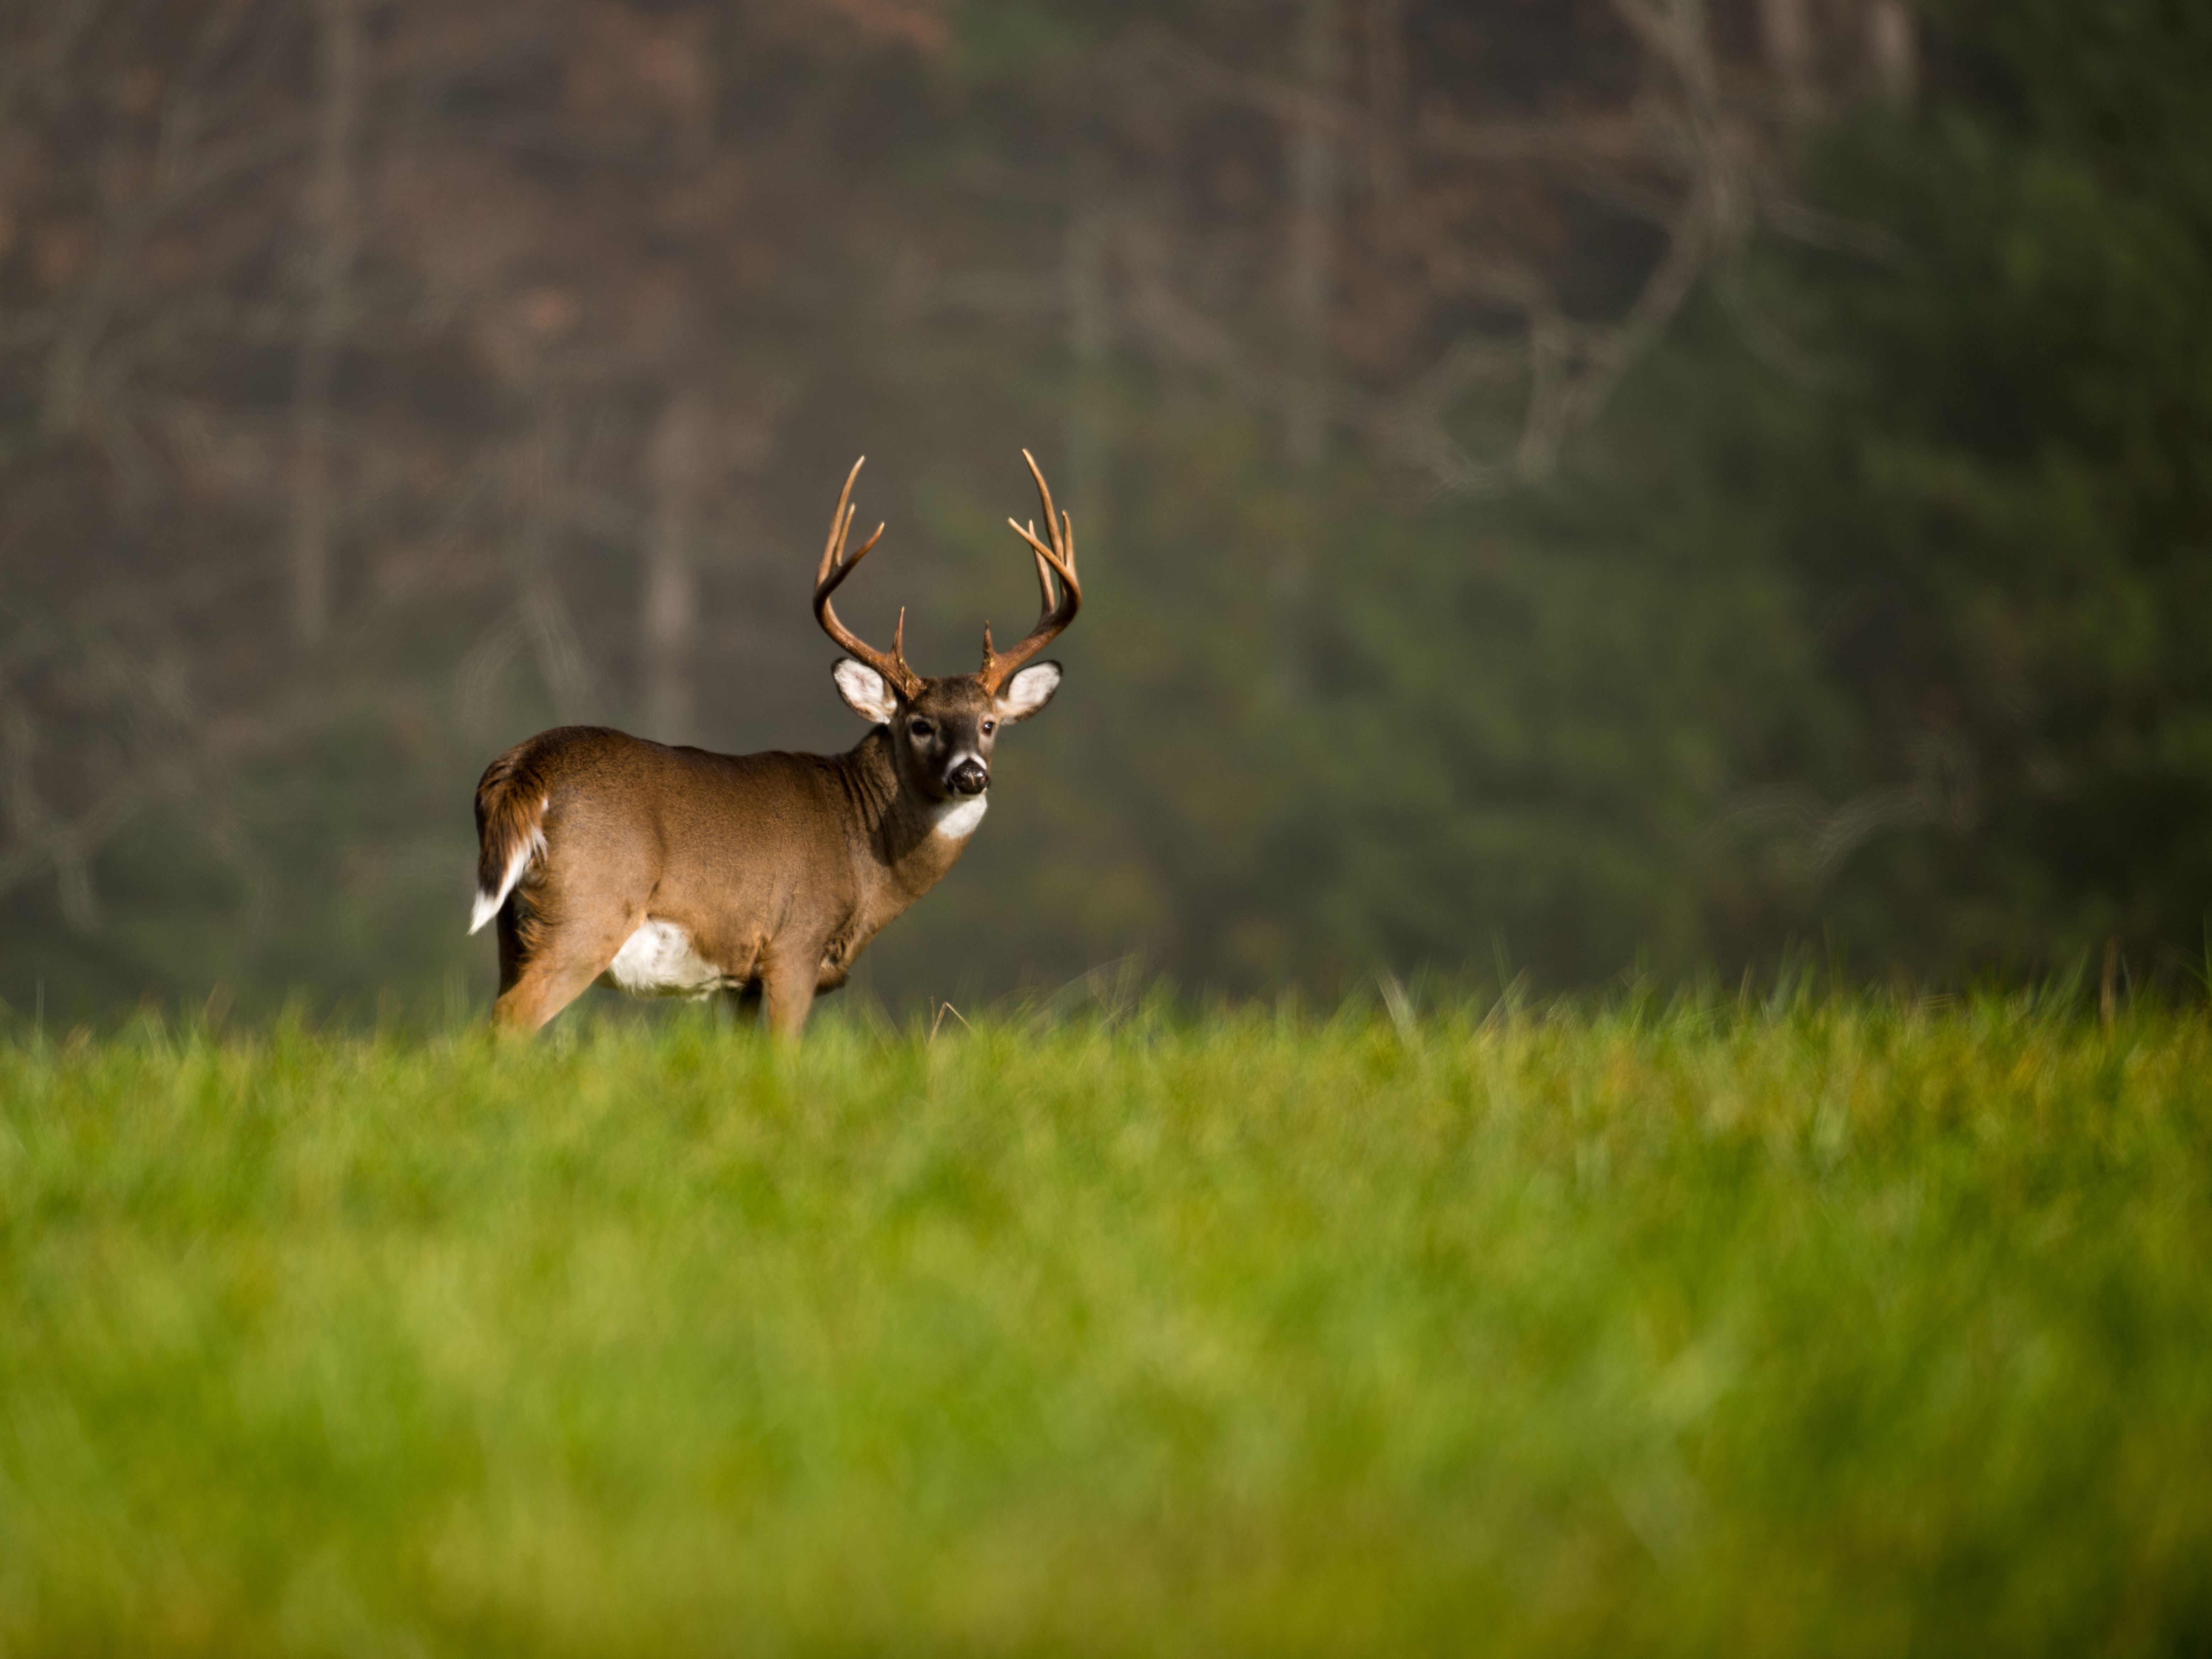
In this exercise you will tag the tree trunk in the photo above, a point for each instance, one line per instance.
(670, 614)
(1386, 99)
(1893, 51)
(1786, 27)
(1313, 169)
(1089, 339)
(328, 267)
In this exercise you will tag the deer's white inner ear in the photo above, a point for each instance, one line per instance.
(866, 692)
(1029, 691)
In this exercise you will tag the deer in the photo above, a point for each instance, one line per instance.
(675, 872)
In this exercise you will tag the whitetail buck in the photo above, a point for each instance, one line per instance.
(677, 872)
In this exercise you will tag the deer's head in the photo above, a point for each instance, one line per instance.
(942, 731)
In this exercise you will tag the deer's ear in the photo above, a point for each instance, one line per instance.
(866, 692)
(1029, 691)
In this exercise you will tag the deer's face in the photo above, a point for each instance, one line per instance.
(942, 736)
(942, 731)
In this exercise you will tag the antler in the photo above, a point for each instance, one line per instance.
(834, 569)
(1056, 561)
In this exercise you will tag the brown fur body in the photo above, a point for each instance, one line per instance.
(729, 848)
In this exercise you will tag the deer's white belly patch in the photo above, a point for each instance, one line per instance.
(658, 960)
(957, 822)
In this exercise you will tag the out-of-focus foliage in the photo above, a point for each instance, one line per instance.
(1556, 485)
(1870, 617)
(1988, 492)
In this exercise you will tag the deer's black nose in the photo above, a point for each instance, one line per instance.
(969, 778)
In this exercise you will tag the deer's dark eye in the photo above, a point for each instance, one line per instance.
(990, 726)
(922, 730)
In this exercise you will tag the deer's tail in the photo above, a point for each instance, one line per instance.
(511, 801)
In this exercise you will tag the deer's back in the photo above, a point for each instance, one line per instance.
(711, 837)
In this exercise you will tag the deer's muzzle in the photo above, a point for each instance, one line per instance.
(970, 777)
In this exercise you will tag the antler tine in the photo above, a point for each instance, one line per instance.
(840, 524)
(1057, 609)
(834, 567)
(1063, 541)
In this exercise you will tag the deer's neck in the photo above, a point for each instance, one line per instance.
(912, 840)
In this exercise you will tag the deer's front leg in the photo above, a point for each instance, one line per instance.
(787, 988)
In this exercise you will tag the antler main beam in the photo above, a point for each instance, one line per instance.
(836, 566)
(1055, 559)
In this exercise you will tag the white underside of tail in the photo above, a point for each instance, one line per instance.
(488, 903)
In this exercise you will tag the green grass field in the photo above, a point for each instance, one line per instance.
(1846, 1328)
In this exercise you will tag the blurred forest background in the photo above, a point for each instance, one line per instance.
(1562, 484)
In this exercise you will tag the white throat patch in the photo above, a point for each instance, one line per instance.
(658, 960)
(956, 820)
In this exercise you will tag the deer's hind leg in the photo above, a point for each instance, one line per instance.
(542, 991)
(555, 961)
